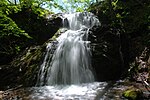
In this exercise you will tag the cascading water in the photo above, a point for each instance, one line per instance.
(70, 63)
(67, 61)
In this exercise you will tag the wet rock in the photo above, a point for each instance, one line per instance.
(109, 53)
(22, 70)
(9, 77)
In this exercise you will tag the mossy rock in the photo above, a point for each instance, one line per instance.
(30, 60)
(28, 63)
(133, 94)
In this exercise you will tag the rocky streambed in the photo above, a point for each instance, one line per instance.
(87, 91)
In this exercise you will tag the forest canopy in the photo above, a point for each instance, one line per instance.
(55, 5)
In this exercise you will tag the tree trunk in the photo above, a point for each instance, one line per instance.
(15, 2)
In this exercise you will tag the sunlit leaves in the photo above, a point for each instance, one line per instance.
(79, 10)
(9, 35)
(80, 5)
(9, 27)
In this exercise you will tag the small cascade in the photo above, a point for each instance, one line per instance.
(68, 59)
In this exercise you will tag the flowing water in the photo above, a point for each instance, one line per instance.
(85, 91)
(66, 72)
(70, 62)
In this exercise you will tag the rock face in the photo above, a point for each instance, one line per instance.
(8, 77)
(22, 70)
(109, 53)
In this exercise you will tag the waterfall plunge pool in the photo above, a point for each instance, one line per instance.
(85, 91)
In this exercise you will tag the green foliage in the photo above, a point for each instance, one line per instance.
(130, 94)
(133, 17)
(9, 35)
(8, 27)
(71, 5)
(133, 14)
(35, 6)
(3, 3)
(80, 5)
(16, 19)
(7, 8)
(12, 38)
(40, 11)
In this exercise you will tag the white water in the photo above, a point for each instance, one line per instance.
(69, 92)
(70, 63)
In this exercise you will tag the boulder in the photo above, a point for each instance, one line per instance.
(109, 53)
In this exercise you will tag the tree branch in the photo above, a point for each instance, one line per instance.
(9, 1)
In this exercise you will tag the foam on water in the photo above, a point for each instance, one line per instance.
(86, 91)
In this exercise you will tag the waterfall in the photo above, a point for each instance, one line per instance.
(68, 59)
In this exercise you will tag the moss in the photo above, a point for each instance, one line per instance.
(132, 94)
